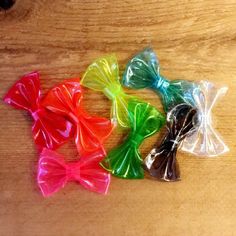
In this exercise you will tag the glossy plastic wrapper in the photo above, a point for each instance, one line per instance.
(125, 160)
(206, 141)
(103, 75)
(143, 71)
(54, 173)
(161, 162)
(49, 130)
(90, 132)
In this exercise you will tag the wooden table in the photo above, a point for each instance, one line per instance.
(194, 40)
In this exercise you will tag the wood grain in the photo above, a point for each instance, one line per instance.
(194, 40)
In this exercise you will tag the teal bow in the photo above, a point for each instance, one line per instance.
(143, 71)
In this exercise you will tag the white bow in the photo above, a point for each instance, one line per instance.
(205, 141)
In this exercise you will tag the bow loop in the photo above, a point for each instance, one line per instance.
(142, 71)
(51, 174)
(90, 132)
(161, 162)
(206, 141)
(103, 75)
(54, 173)
(49, 130)
(65, 98)
(25, 93)
(125, 160)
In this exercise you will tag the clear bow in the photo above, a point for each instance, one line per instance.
(206, 141)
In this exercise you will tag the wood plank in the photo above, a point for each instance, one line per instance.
(193, 39)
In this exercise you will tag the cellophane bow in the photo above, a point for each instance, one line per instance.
(103, 75)
(49, 130)
(90, 131)
(161, 162)
(54, 172)
(143, 71)
(125, 160)
(206, 141)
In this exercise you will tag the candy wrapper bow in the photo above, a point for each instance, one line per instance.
(49, 130)
(206, 141)
(161, 162)
(125, 160)
(103, 75)
(90, 132)
(143, 71)
(54, 172)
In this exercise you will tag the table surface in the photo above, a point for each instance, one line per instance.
(194, 40)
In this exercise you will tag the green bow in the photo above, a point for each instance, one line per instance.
(125, 160)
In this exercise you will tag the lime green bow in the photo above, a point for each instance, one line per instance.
(125, 160)
(103, 75)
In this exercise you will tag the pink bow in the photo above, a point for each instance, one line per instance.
(54, 172)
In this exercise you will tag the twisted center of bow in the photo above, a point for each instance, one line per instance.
(160, 83)
(36, 114)
(73, 171)
(205, 118)
(175, 143)
(170, 145)
(74, 117)
(112, 91)
(172, 142)
(136, 140)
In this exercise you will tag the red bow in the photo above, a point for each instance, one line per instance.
(90, 132)
(48, 129)
(54, 173)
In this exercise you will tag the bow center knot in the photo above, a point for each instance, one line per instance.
(205, 118)
(112, 91)
(36, 114)
(174, 142)
(74, 117)
(136, 140)
(160, 83)
(73, 171)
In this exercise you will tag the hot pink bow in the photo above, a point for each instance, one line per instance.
(54, 172)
